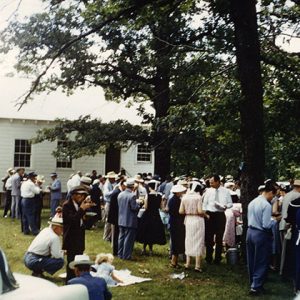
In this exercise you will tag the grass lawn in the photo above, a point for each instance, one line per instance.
(216, 282)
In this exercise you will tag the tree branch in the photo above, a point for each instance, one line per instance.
(130, 12)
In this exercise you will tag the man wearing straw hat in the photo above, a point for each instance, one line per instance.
(108, 189)
(44, 253)
(97, 287)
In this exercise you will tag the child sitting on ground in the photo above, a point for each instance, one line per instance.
(105, 269)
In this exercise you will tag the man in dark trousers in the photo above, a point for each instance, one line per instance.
(113, 215)
(74, 211)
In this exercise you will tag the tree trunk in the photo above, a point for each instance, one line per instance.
(243, 14)
(162, 152)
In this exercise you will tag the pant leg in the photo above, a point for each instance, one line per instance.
(52, 265)
(220, 223)
(209, 239)
(115, 239)
(129, 243)
(18, 207)
(262, 245)
(54, 205)
(13, 206)
(25, 223)
(32, 262)
(107, 226)
(7, 203)
(29, 214)
(70, 272)
(250, 254)
(121, 241)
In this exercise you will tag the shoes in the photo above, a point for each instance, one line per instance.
(186, 267)
(5, 216)
(174, 266)
(256, 292)
(198, 270)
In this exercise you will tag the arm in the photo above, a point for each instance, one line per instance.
(204, 201)
(134, 206)
(228, 203)
(56, 186)
(181, 208)
(115, 277)
(72, 216)
(267, 221)
(55, 249)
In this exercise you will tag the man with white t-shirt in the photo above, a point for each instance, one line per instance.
(44, 253)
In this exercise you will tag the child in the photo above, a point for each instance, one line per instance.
(105, 269)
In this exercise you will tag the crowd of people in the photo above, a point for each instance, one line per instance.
(203, 218)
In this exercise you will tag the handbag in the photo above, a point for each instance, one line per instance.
(288, 234)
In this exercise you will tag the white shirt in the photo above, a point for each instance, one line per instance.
(29, 189)
(213, 202)
(47, 243)
(8, 183)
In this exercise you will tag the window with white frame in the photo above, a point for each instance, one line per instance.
(64, 161)
(144, 154)
(22, 153)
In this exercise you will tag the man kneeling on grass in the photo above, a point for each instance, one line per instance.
(44, 253)
(97, 287)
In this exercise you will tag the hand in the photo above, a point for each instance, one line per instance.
(86, 204)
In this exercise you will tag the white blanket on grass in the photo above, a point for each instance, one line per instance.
(126, 277)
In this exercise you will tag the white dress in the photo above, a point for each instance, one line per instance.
(194, 225)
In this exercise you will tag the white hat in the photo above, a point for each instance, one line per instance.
(40, 178)
(57, 221)
(182, 182)
(130, 182)
(261, 188)
(85, 180)
(178, 188)
(82, 259)
(10, 170)
(228, 184)
(111, 174)
(96, 181)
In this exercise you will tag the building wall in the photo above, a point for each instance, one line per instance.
(42, 160)
(130, 164)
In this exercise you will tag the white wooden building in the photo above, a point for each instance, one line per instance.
(16, 151)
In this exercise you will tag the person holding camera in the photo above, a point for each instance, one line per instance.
(73, 213)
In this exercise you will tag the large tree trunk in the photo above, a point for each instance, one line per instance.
(162, 152)
(243, 14)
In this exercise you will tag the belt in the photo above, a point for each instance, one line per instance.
(262, 230)
(38, 255)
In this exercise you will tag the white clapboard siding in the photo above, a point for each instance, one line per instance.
(42, 160)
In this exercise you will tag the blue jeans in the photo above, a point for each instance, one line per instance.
(259, 245)
(54, 203)
(38, 263)
(28, 215)
(126, 242)
(15, 213)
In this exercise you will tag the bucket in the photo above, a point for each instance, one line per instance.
(232, 256)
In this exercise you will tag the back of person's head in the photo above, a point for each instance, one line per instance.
(216, 177)
(270, 186)
(83, 268)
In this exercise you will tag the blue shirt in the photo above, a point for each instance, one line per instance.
(260, 214)
(96, 286)
(56, 189)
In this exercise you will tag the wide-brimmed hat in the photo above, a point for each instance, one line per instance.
(79, 190)
(130, 182)
(86, 180)
(10, 170)
(182, 182)
(82, 259)
(229, 184)
(296, 182)
(111, 175)
(40, 178)
(178, 188)
(57, 221)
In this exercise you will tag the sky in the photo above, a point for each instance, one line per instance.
(56, 104)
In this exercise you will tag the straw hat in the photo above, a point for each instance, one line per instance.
(40, 178)
(82, 259)
(111, 175)
(130, 182)
(79, 190)
(296, 182)
(57, 221)
(178, 188)
(138, 178)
